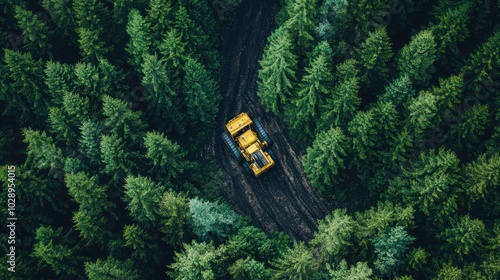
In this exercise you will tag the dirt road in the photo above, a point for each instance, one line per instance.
(281, 199)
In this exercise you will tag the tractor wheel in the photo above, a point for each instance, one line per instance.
(232, 146)
(246, 168)
(261, 132)
(273, 156)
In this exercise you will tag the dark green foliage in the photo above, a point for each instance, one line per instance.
(399, 91)
(168, 158)
(451, 29)
(143, 197)
(296, 263)
(416, 59)
(341, 108)
(465, 236)
(483, 62)
(174, 213)
(59, 78)
(277, 74)
(301, 22)
(35, 33)
(42, 151)
(374, 55)
(325, 159)
(140, 42)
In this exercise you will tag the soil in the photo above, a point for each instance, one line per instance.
(280, 199)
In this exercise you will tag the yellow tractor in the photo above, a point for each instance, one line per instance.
(249, 143)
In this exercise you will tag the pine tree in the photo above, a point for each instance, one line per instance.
(140, 42)
(471, 127)
(374, 55)
(301, 22)
(332, 239)
(63, 15)
(93, 49)
(122, 121)
(111, 269)
(390, 250)
(95, 209)
(248, 268)
(118, 161)
(59, 78)
(422, 111)
(142, 242)
(332, 17)
(325, 159)
(360, 271)
(451, 29)
(482, 63)
(159, 16)
(212, 220)
(277, 73)
(168, 157)
(482, 178)
(196, 261)
(465, 236)
(399, 91)
(35, 33)
(314, 89)
(364, 134)
(173, 49)
(416, 59)
(65, 122)
(42, 151)
(201, 94)
(342, 107)
(26, 96)
(296, 263)
(174, 213)
(89, 142)
(143, 197)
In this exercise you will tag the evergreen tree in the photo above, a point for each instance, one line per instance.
(118, 161)
(174, 213)
(399, 91)
(482, 179)
(143, 197)
(296, 263)
(94, 207)
(197, 261)
(422, 113)
(90, 141)
(159, 16)
(311, 96)
(482, 63)
(140, 42)
(451, 29)
(65, 121)
(374, 54)
(361, 271)
(173, 49)
(212, 220)
(301, 22)
(42, 151)
(26, 96)
(364, 134)
(248, 268)
(63, 15)
(110, 269)
(121, 121)
(141, 241)
(168, 157)
(465, 236)
(416, 59)
(52, 249)
(92, 47)
(35, 33)
(332, 239)
(277, 73)
(325, 159)
(390, 250)
(471, 127)
(342, 107)
(59, 78)
(201, 94)
(332, 17)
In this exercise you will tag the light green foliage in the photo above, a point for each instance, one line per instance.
(465, 236)
(391, 249)
(301, 22)
(248, 268)
(376, 221)
(140, 42)
(416, 59)
(167, 156)
(173, 50)
(325, 159)
(42, 151)
(387, 122)
(312, 93)
(201, 94)
(294, 264)
(347, 70)
(91, 15)
(430, 185)
(87, 80)
(342, 107)
(334, 235)
(141, 241)
(89, 142)
(374, 55)
(472, 126)
(110, 269)
(449, 92)
(59, 79)
(196, 262)
(92, 47)
(174, 212)
(418, 258)
(35, 33)
(65, 121)
(159, 14)
(143, 197)
(118, 161)
(449, 272)
(482, 178)
(360, 271)
(277, 73)
(212, 220)
(422, 111)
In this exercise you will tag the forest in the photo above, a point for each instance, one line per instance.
(107, 148)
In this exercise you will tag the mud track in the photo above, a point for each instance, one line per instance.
(281, 199)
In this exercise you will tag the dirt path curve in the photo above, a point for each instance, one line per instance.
(281, 199)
